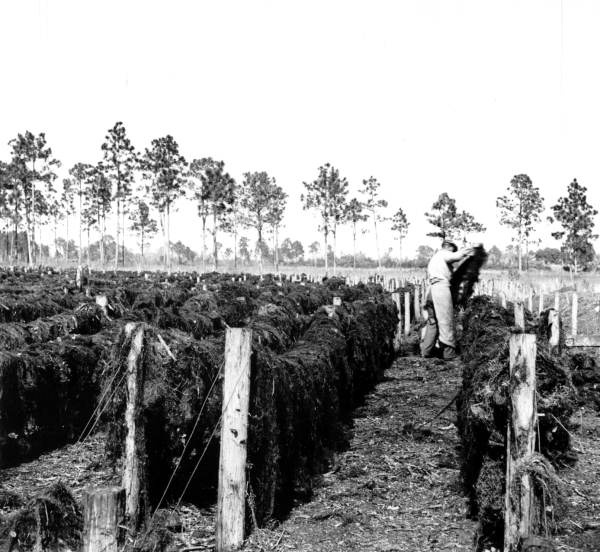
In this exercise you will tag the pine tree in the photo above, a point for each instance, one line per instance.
(576, 216)
(119, 164)
(520, 209)
(165, 168)
(355, 215)
(327, 195)
(374, 205)
(143, 224)
(34, 164)
(400, 226)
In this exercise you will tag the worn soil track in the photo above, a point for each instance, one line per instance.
(397, 486)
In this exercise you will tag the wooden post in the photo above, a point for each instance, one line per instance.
(231, 499)
(134, 469)
(79, 279)
(417, 303)
(554, 321)
(103, 513)
(397, 337)
(503, 299)
(557, 302)
(406, 313)
(520, 440)
(519, 315)
(574, 307)
(541, 303)
(530, 300)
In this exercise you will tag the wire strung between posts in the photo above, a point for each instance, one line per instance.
(106, 404)
(104, 393)
(214, 431)
(189, 439)
(204, 451)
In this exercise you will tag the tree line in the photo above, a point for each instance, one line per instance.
(138, 192)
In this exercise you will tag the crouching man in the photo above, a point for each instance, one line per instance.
(438, 302)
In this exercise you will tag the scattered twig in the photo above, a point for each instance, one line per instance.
(446, 407)
(162, 342)
(278, 540)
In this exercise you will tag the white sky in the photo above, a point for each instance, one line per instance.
(427, 96)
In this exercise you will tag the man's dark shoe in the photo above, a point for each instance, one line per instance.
(449, 353)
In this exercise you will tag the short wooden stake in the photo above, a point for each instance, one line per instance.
(231, 500)
(397, 302)
(557, 302)
(541, 303)
(503, 299)
(406, 313)
(554, 321)
(574, 307)
(530, 300)
(103, 513)
(417, 303)
(520, 439)
(134, 469)
(79, 279)
(519, 315)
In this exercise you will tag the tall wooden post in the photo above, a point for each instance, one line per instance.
(134, 469)
(231, 500)
(103, 513)
(574, 308)
(520, 440)
(406, 313)
(519, 315)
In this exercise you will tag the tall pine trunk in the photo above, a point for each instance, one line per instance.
(118, 233)
(276, 247)
(377, 241)
(168, 234)
(102, 232)
(67, 242)
(354, 245)
(55, 238)
(142, 243)
(235, 263)
(334, 248)
(87, 253)
(215, 252)
(519, 247)
(123, 237)
(204, 244)
(80, 256)
(260, 250)
(31, 235)
(325, 236)
(400, 250)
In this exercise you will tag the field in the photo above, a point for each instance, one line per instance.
(354, 441)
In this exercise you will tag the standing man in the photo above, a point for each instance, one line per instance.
(439, 305)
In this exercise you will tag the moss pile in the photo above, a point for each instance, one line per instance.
(483, 410)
